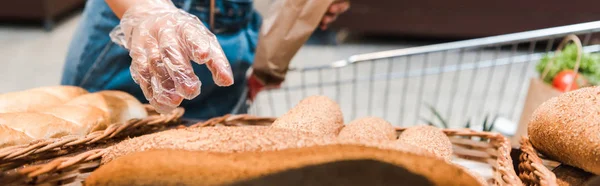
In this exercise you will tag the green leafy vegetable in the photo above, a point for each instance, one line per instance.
(589, 66)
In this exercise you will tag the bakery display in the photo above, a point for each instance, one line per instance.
(180, 167)
(38, 98)
(303, 131)
(310, 139)
(69, 111)
(566, 129)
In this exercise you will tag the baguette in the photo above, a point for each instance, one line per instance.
(38, 98)
(429, 138)
(218, 139)
(322, 165)
(237, 139)
(80, 116)
(10, 137)
(119, 106)
(565, 128)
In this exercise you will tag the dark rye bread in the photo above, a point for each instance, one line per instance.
(368, 129)
(429, 138)
(235, 139)
(178, 167)
(315, 114)
(566, 128)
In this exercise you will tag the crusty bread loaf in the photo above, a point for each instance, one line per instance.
(315, 114)
(120, 106)
(88, 118)
(10, 136)
(39, 126)
(368, 129)
(237, 139)
(179, 167)
(566, 128)
(38, 98)
(427, 137)
(63, 92)
(219, 139)
(80, 116)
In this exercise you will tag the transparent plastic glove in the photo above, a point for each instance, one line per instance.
(162, 40)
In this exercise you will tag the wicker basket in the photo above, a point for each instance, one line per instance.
(536, 169)
(533, 170)
(490, 148)
(15, 156)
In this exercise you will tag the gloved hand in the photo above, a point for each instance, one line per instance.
(162, 40)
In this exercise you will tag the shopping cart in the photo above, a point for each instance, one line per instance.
(462, 82)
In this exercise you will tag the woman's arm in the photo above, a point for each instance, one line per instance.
(120, 6)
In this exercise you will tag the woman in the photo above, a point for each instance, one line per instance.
(154, 43)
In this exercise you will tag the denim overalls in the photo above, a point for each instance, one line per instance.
(95, 63)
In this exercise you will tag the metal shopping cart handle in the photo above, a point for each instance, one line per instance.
(241, 107)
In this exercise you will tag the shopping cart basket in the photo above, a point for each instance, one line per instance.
(464, 82)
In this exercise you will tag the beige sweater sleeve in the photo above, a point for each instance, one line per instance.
(285, 29)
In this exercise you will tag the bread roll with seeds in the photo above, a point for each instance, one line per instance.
(378, 167)
(368, 129)
(315, 114)
(566, 128)
(429, 138)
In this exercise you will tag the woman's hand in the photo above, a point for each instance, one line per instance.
(336, 8)
(162, 40)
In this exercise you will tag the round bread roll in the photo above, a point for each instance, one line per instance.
(38, 98)
(323, 165)
(566, 128)
(429, 138)
(120, 106)
(315, 114)
(368, 129)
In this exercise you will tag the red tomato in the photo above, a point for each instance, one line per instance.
(562, 80)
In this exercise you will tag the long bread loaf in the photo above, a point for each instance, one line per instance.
(378, 167)
(80, 116)
(38, 98)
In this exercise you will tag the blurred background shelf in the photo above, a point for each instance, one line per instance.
(462, 19)
(46, 12)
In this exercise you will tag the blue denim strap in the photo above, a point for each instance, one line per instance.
(187, 5)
